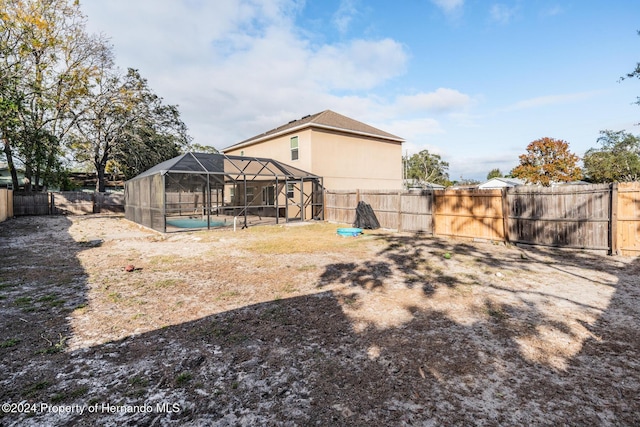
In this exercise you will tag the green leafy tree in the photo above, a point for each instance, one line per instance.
(548, 160)
(618, 159)
(127, 125)
(46, 50)
(425, 167)
(199, 148)
(494, 173)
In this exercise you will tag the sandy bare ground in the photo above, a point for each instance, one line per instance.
(294, 325)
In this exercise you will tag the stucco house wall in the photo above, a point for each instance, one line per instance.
(346, 153)
(348, 162)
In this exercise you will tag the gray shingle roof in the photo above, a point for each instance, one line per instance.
(327, 120)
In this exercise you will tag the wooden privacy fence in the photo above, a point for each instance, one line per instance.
(601, 217)
(67, 202)
(6, 204)
(572, 216)
(626, 221)
(402, 210)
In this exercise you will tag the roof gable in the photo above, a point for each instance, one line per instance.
(324, 120)
(501, 182)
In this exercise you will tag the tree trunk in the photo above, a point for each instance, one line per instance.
(100, 184)
(28, 175)
(12, 168)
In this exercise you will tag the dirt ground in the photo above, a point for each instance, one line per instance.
(294, 325)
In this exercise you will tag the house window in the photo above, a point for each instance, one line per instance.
(242, 152)
(268, 195)
(290, 188)
(250, 193)
(294, 148)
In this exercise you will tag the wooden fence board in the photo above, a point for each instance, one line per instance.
(30, 204)
(109, 202)
(340, 206)
(72, 202)
(469, 213)
(6, 204)
(416, 212)
(66, 202)
(570, 216)
(385, 206)
(628, 218)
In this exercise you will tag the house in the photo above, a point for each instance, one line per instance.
(5, 177)
(424, 186)
(346, 153)
(494, 183)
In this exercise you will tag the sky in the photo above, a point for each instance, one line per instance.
(473, 81)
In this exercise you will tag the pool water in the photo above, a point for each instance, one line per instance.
(193, 223)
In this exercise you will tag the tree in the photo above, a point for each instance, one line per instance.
(126, 124)
(548, 160)
(199, 148)
(46, 50)
(426, 167)
(494, 173)
(617, 161)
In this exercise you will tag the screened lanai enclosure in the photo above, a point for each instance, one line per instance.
(202, 190)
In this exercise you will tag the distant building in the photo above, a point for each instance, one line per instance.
(425, 186)
(495, 183)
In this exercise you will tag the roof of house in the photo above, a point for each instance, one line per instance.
(501, 182)
(327, 119)
(427, 185)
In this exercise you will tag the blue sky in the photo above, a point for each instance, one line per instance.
(473, 81)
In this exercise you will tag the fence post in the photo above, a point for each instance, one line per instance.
(52, 204)
(433, 212)
(613, 219)
(505, 214)
(399, 211)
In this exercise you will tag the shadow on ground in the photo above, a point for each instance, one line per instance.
(299, 361)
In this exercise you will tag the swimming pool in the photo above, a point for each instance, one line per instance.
(193, 223)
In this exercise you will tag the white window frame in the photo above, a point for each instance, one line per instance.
(295, 148)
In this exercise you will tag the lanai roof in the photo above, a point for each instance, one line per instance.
(221, 164)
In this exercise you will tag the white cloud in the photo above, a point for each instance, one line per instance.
(502, 14)
(554, 10)
(542, 101)
(449, 6)
(360, 64)
(343, 16)
(477, 167)
(239, 68)
(442, 100)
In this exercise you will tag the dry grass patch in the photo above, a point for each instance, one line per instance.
(294, 325)
(302, 239)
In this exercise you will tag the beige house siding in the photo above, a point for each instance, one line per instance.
(345, 162)
(279, 149)
(347, 154)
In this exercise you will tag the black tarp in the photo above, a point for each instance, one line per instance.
(365, 217)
